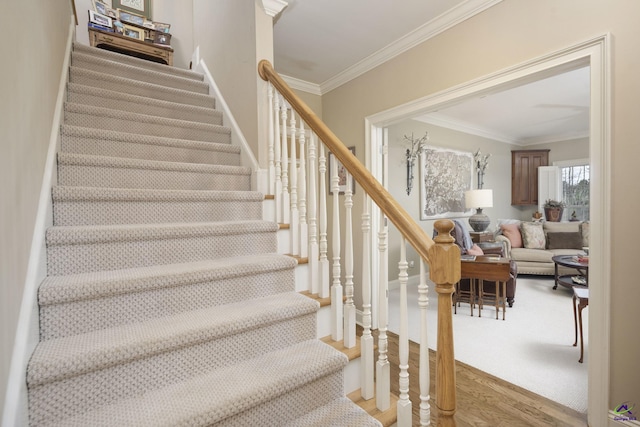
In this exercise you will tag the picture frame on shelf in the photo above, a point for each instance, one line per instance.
(343, 175)
(99, 19)
(138, 7)
(112, 13)
(162, 27)
(99, 7)
(130, 18)
(133, 32)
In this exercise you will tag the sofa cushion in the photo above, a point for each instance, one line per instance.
(562, 240)
(532, 235)
(559, 227)
(531, 255)
(584, 230)
(512, 232)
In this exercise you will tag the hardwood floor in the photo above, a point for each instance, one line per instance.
(482, 399)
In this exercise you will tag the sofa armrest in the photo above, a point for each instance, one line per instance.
(507, 245)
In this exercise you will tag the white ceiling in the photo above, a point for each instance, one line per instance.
(321, 44)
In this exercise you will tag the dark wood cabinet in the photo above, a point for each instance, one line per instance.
(524, 175)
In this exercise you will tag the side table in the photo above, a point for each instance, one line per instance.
(481, 236)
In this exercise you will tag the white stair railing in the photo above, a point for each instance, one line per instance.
(299, 165)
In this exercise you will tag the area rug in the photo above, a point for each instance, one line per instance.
(532, 348)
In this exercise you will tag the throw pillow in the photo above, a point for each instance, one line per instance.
(475, 250)
(512, 232)
(532, 235)
(502, 222)
(584, 230)
(564, 241)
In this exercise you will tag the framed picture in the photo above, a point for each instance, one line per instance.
(133, 32)
(99, 7)
(444, 177)
(343, 175)
(99, 19)
(138, 7)
(130, 18)
(112, 13)
(162, 27)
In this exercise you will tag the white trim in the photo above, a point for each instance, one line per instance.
(27, 331)
(450, 18)
(302, 85)
(273, 7)
(596, 53)
(568, 163)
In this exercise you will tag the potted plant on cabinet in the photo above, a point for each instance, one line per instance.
(553, 210)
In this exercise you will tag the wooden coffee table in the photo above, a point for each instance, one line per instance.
(494, 269)
(567, 279)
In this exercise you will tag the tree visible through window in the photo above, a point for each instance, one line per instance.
(575, 192)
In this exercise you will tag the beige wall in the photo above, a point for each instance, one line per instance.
(572, 149)
(31, 66)
(510, 33)
(313, 101)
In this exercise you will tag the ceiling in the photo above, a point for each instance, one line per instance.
(322, 44)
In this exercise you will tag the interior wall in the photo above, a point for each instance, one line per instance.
(31, 67)
(503, 36)
(313, 101)
(571, 149)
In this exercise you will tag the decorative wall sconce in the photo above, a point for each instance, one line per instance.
(481, 165)
(417, 146)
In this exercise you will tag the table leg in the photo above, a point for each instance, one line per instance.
(575, 321)
(480, 296)
(503, 300)
(555, 275)
(582, 305)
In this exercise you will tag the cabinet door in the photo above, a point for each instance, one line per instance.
(524, 175)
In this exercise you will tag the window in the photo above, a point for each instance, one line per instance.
(575, 189)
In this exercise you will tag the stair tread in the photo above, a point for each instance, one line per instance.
(146, 139)
(86, 234)
(386, 418)
(140, 72)
(72, 107)
(65, 357)
(106, 93)
(339, 412)
(82, 286)
(152, 87)
(127, 163)
(142, 63)
(73, 193)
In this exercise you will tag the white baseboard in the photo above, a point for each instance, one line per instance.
(27, 331)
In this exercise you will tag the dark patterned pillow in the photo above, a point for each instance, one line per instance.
(561, 240)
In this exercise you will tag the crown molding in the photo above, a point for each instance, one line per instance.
(302, 85)
(554, 138)
(431, 29)
(467, 128)
(273, 7)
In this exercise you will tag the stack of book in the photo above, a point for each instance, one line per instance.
(582, 259)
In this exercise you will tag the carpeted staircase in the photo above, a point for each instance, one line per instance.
(166, 303)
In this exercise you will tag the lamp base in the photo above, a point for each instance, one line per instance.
(479, 221)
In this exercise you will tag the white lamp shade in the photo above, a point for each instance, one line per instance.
(478, 198)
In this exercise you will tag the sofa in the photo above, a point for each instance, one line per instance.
(532, 244)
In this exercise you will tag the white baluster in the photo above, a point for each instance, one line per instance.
(324, 261)
(425, 381)
(349, 308)
(383, 371)
(366, 341)
(337, 306)
(404, 404)
(314, 252)
(272, 138)
(294, 229)
(302, 194)
(278, 158)
(286, 202)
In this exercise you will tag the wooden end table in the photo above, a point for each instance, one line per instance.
(494, 269)
(567, 279)
(581, 297)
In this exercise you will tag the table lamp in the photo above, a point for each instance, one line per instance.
(482, 198)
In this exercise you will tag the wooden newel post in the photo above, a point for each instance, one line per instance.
(444, 270)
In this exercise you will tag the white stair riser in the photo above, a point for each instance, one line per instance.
(284, 241)
(352, 376)
(140, 375)
(323, 323)
(302, 278)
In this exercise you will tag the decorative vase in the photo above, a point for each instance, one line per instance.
(553, 214)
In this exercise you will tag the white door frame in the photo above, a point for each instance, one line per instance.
(595, 53)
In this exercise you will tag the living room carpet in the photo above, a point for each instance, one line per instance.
(532, 348)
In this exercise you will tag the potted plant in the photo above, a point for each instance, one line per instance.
(553, 210)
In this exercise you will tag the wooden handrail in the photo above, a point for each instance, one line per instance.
(411, 231)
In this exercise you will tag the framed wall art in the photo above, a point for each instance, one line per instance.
(343, 175)
(100, 19)
(445, 175)
(133, 32)
(139, 7)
